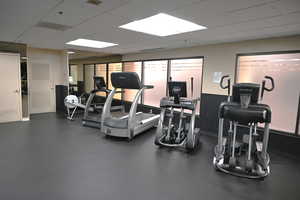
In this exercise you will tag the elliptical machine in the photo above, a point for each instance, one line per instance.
(172, 132)
(244, 156)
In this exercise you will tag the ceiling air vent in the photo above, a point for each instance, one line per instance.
(94, 2)
(53, 26)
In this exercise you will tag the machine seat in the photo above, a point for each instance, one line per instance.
(253, 114)
(116, 123)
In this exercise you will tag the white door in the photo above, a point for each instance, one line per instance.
(40, 87)
(10, 88)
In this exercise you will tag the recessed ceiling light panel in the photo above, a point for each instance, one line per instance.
(162, 25)
(90, 43)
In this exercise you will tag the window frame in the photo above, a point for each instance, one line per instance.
(168, 74)
(84, 67)
(108, 78)
(141, 101)
(169, 59)
(296, 129)
(101, 63)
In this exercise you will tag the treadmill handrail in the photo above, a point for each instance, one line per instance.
(132, 112)
(107, 107)
(88, 105)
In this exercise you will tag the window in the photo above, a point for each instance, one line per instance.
(129, 95)
(100, 70)
(73, 79)
(189, 70)
(114, 67)
(285, 69)
(155, 73)
(89, 78)
(74, 74)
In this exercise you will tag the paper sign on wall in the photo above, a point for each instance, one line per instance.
(217, 77)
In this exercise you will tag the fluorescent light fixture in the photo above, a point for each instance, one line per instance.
(90, 43)
(71, 52)
(162, 25)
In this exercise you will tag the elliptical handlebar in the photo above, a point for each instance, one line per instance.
(192, 86)
(272, 84)
(264, 88)
(228, 83)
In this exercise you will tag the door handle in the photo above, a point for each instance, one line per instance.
(17, 91)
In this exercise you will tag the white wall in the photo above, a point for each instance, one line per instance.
(58, 61)
(221, 57)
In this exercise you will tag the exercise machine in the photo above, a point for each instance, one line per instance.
(134, 122)
(93, 110)
(240, 153)
(173, 131)
(72, 104)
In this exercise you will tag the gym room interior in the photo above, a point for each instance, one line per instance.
(150, 99)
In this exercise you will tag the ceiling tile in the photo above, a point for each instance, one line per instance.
(44, 38)
(17, 16)
(77, 11)
(270, 22)
(215, 13)
(230, 20)
(287, 6)
(139, 9)
(97, 24)
(253, 13)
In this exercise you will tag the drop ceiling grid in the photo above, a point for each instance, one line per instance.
(226, 20)
(17, 16)
(78, 11)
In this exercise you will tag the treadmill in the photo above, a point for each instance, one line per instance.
(134, 122)
(92, 111)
